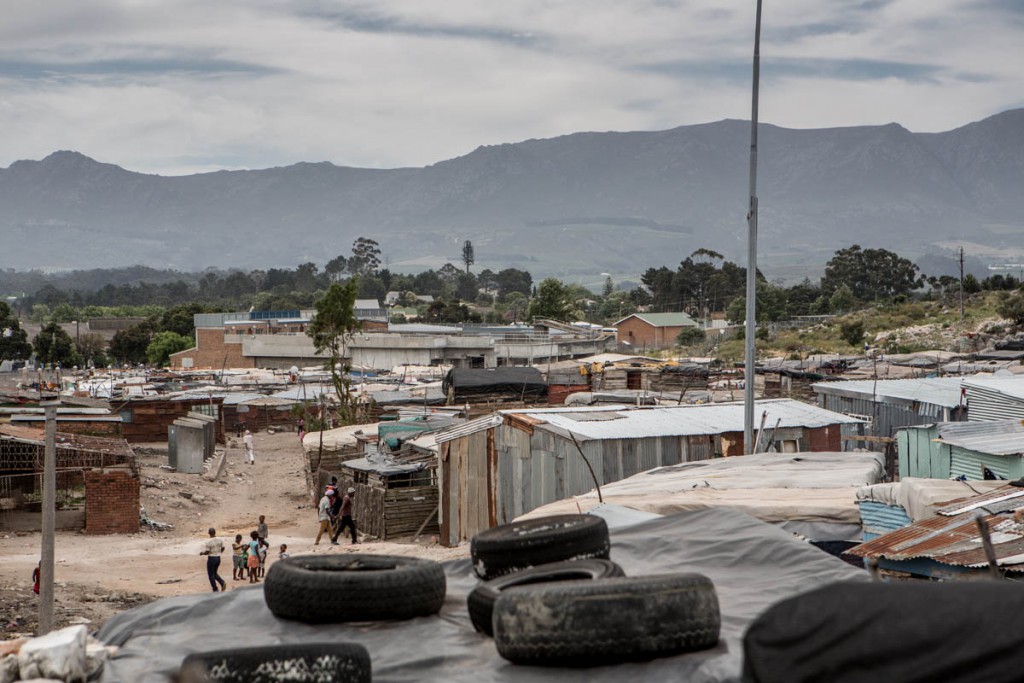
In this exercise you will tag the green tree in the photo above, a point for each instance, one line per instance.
(365, 257)
(513, 280)
(13, 340)
(552, 301)
(159, 350)
(92, 347)
(467, 254)
(842, 300)
(54, 345)
(609, 287)
(516, 304)
(130, 345)
(690, 336)
(871, 274)
(331, 330)
(971, 284)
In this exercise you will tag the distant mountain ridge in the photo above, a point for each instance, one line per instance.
(576, 205)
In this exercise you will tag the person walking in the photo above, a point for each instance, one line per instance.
(213, 549)
(324, 510)
(345, 515)
(249, 454)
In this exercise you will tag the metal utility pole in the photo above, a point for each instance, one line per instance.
(49, 517)
(750, 329)
(961, 284)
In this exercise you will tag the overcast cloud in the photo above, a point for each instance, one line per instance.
(194, 85)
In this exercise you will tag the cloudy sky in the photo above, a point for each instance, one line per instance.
(197, 85)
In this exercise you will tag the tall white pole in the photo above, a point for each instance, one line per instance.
(751, 329)
(49, 517)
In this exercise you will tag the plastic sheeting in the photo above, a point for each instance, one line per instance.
(526, 382)
(753, 565)
(813, 494)
(920, 497)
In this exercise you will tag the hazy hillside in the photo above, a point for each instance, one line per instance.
(580, 204)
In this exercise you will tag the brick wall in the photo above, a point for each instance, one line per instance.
(642, 334)
(210, 351)
(111, 501)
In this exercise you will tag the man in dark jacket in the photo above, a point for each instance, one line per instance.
(345, 516)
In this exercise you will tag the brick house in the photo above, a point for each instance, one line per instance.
(652, 330)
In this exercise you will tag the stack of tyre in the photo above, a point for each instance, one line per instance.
(323, 589)
(550, 595)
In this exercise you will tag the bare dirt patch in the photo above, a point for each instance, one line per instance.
(99, 576)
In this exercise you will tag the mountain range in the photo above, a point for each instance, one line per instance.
(574, 206)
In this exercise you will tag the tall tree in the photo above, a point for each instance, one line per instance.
(871, 274)
(13, 340)
(331, 330)
(513, 280)
(54, 345)
(164, 344)
(365, 257)
(552, 301)
(467, 254)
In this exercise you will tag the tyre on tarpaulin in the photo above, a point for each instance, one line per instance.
(291, 663)
(584, 623)
(340, 588)
(520, 545)
(480, 601)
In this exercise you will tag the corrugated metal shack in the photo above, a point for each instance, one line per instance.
(995, 398)
(889, 405)
(963, 449)
(949, 545)
(794, 378)
(501, 466)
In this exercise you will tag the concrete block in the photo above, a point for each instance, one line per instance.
(59, 654)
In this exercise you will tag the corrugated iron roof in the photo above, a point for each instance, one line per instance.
(467, 428)
(1012, 387)
(953, 538)
(712, 418)
(941, 391)
(998, 437)
(953, 541)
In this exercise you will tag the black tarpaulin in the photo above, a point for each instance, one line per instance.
(514, 382)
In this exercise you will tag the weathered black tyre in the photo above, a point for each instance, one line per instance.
(319, 589)
(305, 663)
(481, 599)
(521, 545)
(583, 623)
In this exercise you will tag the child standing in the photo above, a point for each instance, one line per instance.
(284, 552)
(253, 562)
(238, 558)
(264, 547)
(261, 528)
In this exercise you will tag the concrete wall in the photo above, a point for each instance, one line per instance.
(111, 501)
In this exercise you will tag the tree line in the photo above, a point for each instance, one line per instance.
(702, 285)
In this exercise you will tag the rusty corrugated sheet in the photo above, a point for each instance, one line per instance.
(953, 541)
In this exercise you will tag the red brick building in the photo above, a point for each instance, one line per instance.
(652, 330)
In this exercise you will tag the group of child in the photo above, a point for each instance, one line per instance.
(249, 558)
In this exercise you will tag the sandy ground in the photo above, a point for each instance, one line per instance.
(98, 576)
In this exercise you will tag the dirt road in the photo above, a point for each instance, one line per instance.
(98, 576)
